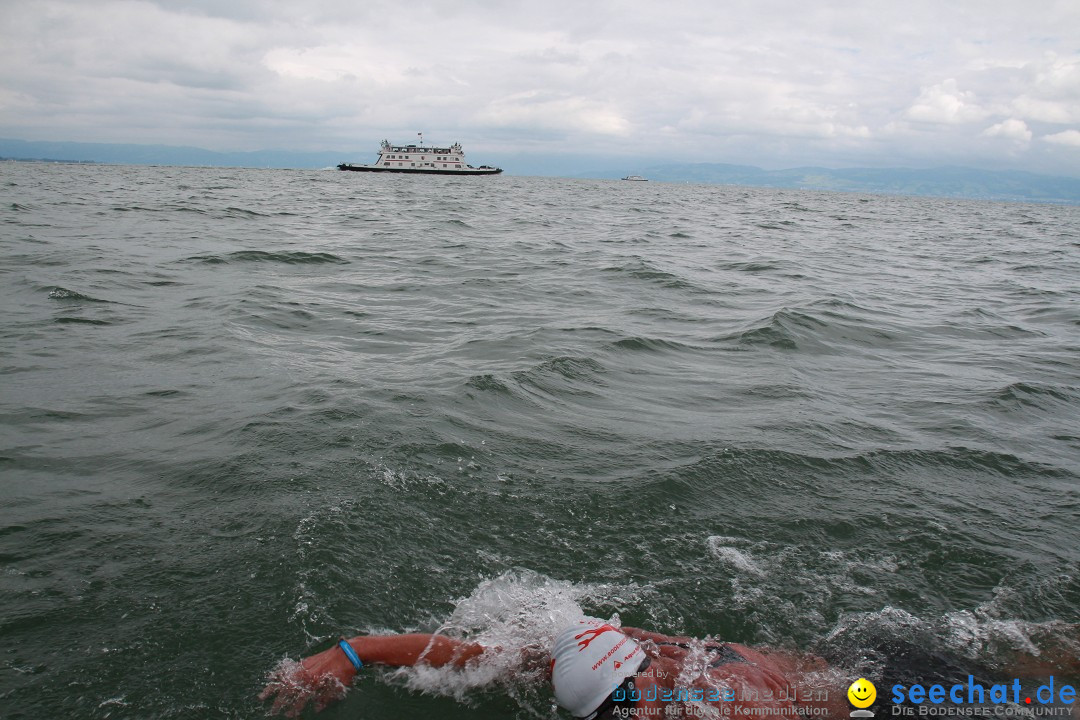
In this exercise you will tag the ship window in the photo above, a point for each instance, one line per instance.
(458, 165)
(386, 164)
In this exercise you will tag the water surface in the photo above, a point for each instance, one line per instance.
(244, 411)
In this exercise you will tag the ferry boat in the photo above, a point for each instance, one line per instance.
(422, 159)
(636, 178)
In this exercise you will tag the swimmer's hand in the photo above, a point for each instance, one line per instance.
(322, 679)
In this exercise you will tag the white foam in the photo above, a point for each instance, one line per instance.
(404, 481)
(969, 634)
(739, 560)
(291, 687)
(518, 609)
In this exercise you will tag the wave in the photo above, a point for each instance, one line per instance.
(784, 330)
(1034, 395)
(288, 258)
(243, 212)
(646, 272)
(80, 321)
(60, 293)
(755, 266)
(138, 208)
(488, 383)
(826, 326)
(878, 464)
(583, 374)
(216, 213)
(777, 225)
(647, 344)
(559, 377)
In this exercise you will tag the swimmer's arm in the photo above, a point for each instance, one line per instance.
(322, 678)
(413, 649)
(676, 646)
(659, 645)
(658, 638)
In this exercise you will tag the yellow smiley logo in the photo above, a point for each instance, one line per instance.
(862, 693)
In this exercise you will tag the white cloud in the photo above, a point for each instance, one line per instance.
(1012, 129)
(533, 109)
(945, 103)
(1056, 75)
(1070, 138)
(1048, 111)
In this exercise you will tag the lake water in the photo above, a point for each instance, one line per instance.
(245, 411)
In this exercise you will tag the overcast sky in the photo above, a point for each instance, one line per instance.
(774, 83)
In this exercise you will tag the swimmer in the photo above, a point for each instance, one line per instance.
(599, 672)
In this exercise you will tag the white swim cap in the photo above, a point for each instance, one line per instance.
(588, 662)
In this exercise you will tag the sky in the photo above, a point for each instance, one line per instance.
(772, 83)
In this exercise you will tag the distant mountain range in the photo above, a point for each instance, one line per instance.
(940, 182)
(165, 155)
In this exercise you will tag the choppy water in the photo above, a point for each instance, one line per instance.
(244, 411)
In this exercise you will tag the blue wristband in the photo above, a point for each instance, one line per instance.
(350, 653)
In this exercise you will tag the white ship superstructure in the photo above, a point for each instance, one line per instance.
(422, 159)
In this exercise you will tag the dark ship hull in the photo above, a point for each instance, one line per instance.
(420, 171)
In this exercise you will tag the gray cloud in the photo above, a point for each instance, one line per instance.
(770, 83)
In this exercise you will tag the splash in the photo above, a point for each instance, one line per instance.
(741, 561)
(517, 614)
(907, 647)
(293, 687)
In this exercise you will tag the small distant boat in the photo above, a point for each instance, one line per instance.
(422, 159)
(636, 178)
